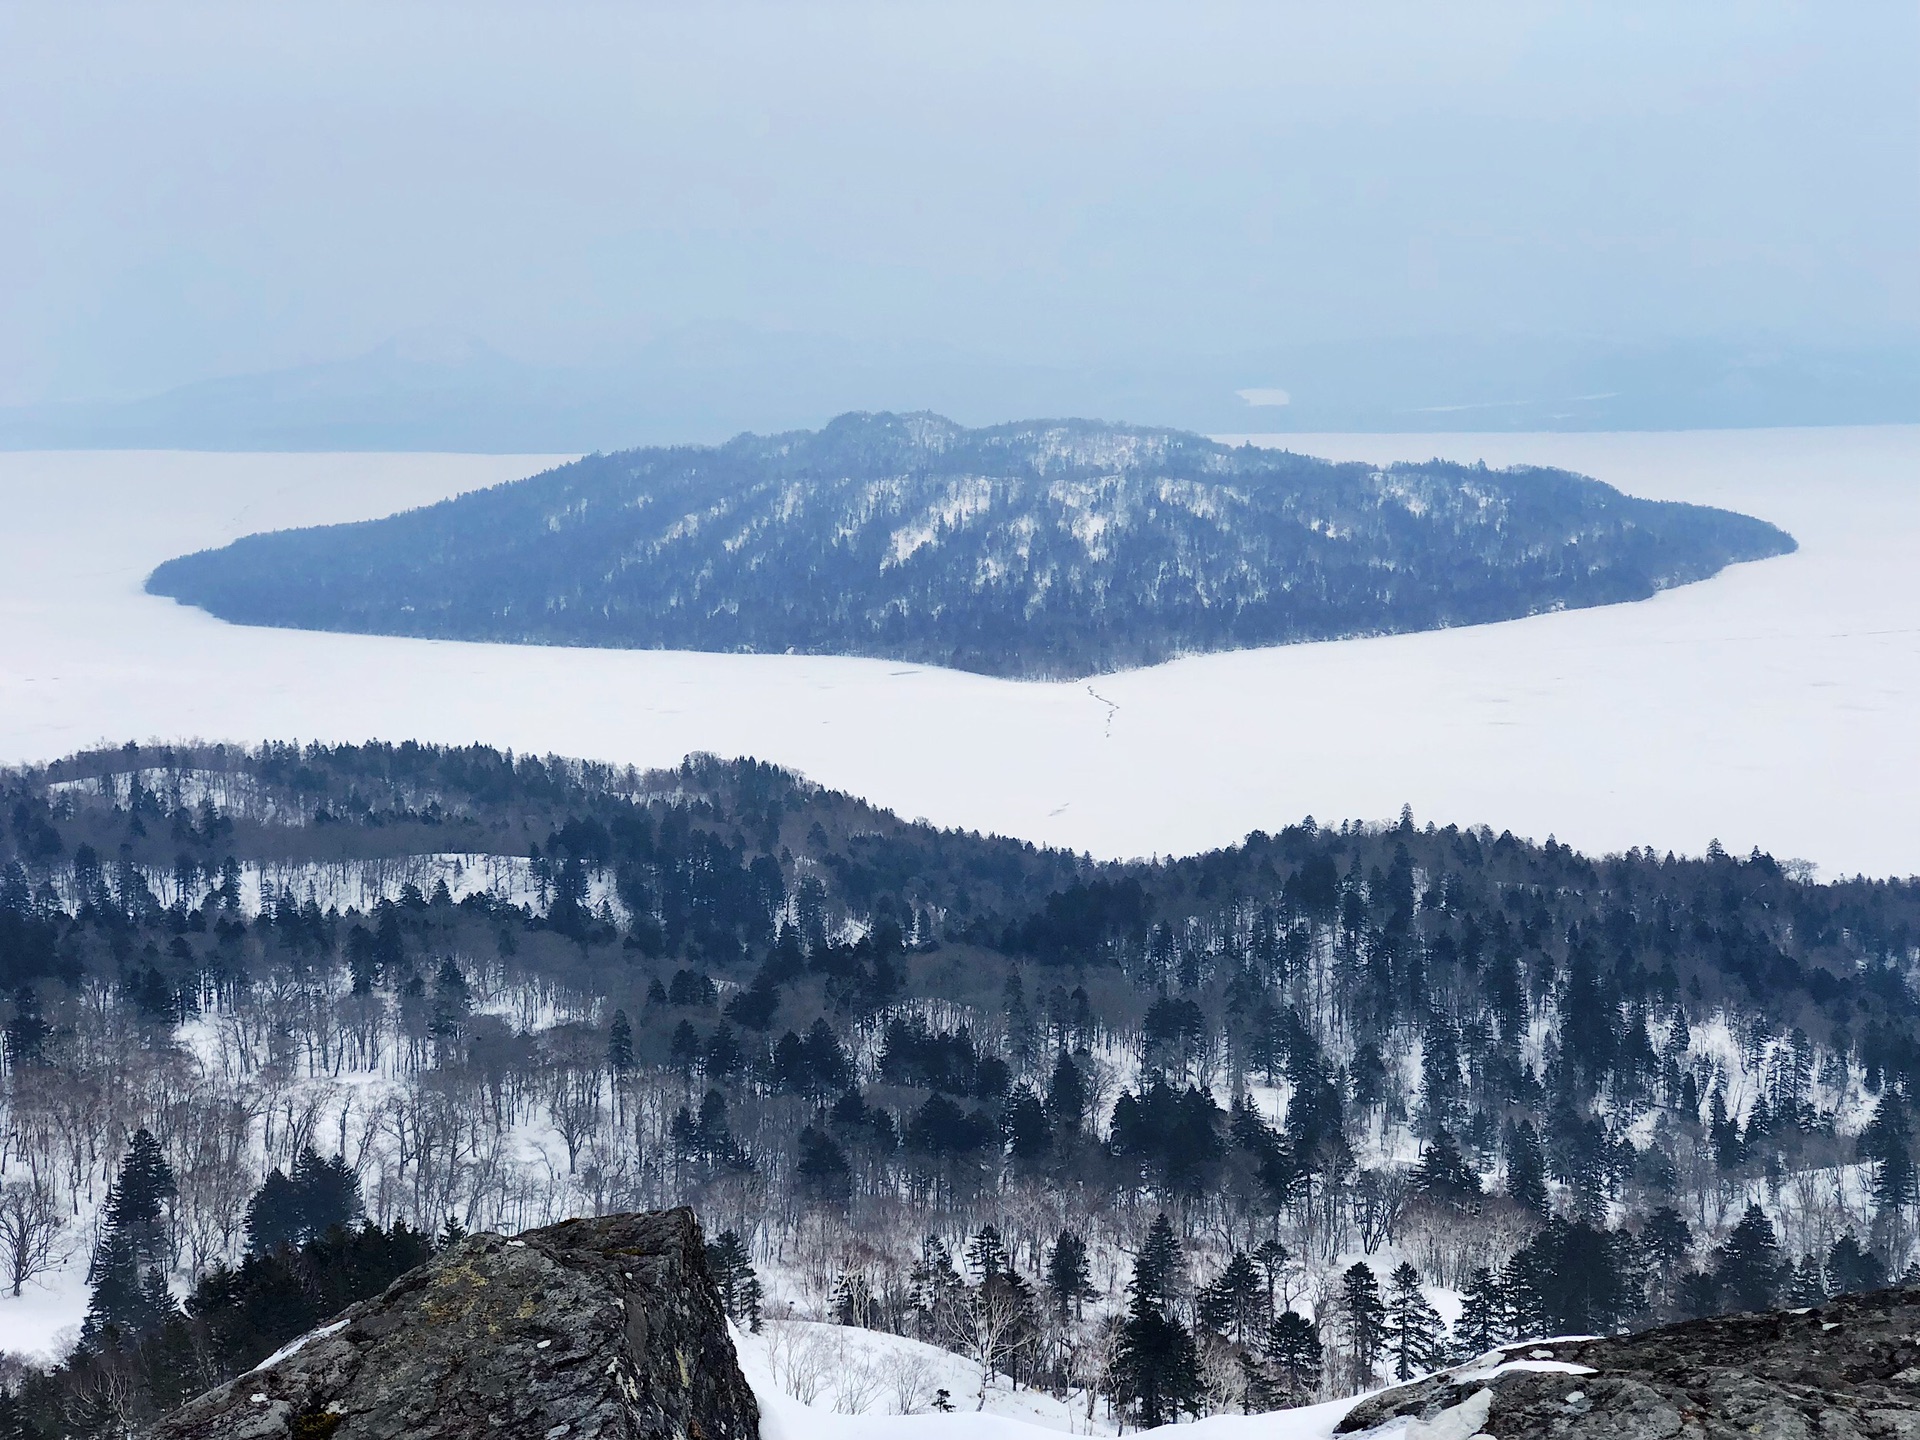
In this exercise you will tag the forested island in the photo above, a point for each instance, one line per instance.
(1040, 549)
(1215, 1133)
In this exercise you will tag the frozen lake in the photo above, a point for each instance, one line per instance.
(1773, 706)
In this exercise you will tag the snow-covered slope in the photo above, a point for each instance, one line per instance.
(832, 1413)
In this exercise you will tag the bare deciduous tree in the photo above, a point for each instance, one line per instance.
(988, 1327)
(799, 1359)
(30, 1226)
(857, 1380)
(909, 1378)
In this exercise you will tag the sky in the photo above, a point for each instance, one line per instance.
(190, 191)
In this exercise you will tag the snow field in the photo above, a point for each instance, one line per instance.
(847, 1371)
(1771, 706)
(1007, 1416)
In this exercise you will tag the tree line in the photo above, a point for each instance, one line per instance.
(1341, 1069)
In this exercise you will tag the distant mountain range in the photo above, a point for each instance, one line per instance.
(707, 385)
(1037, 549)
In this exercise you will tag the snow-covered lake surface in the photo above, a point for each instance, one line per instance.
(1773, 706)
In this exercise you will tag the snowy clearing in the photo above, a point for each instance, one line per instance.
(1772, 706)
(1008, 1416)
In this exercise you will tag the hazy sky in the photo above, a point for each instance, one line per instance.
(188, 191)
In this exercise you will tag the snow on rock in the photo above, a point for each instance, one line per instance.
(294, 1347)
(1456, 1422)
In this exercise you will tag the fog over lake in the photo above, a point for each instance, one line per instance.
(1773, 706)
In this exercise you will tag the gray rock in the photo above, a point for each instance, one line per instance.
(1848, 1370)
(593, 1328)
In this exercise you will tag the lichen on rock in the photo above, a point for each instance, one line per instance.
(602, 1329)
(1847, 1370)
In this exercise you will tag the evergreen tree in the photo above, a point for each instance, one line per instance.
(1806, 1283)
(1069, 1275)
(620, 1044)
(1667, 1239)
(1004, 1313)
(1888, 1126)
(1259, 1390)
(130, 1298)
(1888, 1142)
(329, 1192)
(274, 1214)
(242, 1315)
(1723, 1131)
(1697, 1295)
(452, 1000)
(1443, 1177)
(27, 1032)
(936, 1289)
(1234, 1303)
(171, 1369)
(136, 1200)
(1483, 1315)
(723, 1058)
(1029, 1133)
(361, 963)
(734, 1277)
(1852, 1269)
(821, 1167)
(1295, 1354)
(986, 1254)
(128, 1273)
(683, 1050)
(1157, 1367)
(1414, 1328)
(1573, 1279)
(1272, 1257)
(1896, 1184)
(1747, 1268)
(15, 1424)
(293, 1209)
(1067, 1097)
(1364, 1317)
(1157, 1268)
(1526, 1167)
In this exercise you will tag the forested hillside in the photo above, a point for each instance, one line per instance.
(1228, 1131)
(1040, 549)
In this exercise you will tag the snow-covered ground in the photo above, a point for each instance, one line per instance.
(846, 1371)
(1772, 706)
(906, 1367)
(43, 1322)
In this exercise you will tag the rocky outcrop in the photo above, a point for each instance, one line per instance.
(1847, 1370)
(593, 1328)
